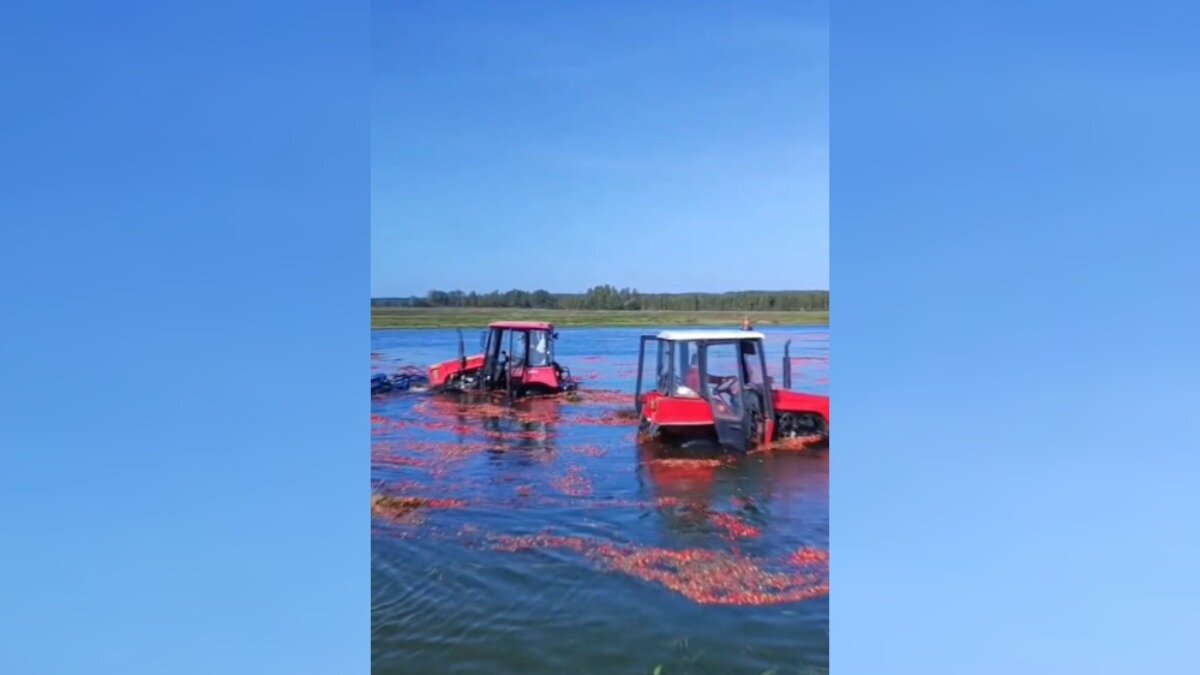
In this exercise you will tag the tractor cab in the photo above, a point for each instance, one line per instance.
(715, 384)
(517, 358)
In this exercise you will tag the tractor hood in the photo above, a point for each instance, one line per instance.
(438, 372)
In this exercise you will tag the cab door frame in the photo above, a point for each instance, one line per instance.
(731, 418)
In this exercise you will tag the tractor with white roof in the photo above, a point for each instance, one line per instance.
(714, 384)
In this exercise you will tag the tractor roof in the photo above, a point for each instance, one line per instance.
(686, 335)
(522, 325)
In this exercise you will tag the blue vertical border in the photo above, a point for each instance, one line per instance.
(184, 258)
(1014, 260)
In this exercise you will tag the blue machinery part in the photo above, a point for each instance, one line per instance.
(409, 378)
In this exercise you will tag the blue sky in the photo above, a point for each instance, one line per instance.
(561, 146)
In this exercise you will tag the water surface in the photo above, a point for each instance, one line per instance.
(540, 538)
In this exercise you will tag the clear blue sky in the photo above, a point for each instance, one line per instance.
(563, 145)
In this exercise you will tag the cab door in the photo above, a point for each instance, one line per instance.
(493, 366)
(723, 385)
(756, 392)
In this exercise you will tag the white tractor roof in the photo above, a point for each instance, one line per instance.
(685, 335)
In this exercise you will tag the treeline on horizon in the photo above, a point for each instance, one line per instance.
(610, 297)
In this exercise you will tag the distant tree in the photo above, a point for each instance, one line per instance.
(606, 296)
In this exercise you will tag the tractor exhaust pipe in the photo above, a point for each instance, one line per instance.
(787, 365)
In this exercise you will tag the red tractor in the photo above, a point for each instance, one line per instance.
(713, 384)
(517, 358)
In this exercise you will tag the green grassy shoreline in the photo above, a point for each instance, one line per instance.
(384, 318)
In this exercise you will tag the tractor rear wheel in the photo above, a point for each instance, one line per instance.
(801, 425)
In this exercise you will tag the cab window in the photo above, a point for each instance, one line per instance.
(539, 348)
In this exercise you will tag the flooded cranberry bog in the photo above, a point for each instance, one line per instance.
(541, 537)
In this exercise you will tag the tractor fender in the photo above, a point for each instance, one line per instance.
(785, 401)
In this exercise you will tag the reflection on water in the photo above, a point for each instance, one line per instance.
(541, 537)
